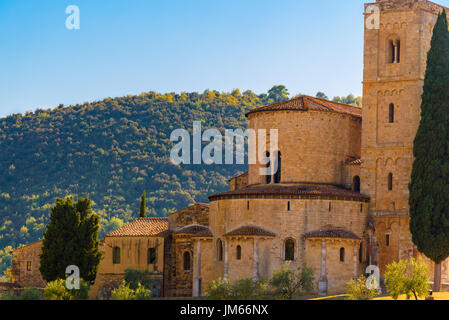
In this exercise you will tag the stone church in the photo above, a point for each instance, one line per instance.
(339, 201)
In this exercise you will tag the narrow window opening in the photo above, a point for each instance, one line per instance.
(356, 184)
(288, 206)
(277, 175)
(219, 250)
(391, 113)
(116, 255)
(289, 250)
(186, 261)
(387, 240)
(151, 256)
(268, 175)
(239, 252)
(342, 254)
(390, 181)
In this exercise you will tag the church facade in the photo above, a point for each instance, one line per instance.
(339, 201)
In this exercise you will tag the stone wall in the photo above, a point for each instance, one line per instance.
(25, 266)
(314, 144)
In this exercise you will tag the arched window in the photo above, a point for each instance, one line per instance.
(390, 181)
(239, 252)
(151, 256)
(387, 240)
(394, 51)
(289, 250)
(116, 255)
(186, 260)
(391, 113)
(277, 175)
(219, 250)
(356, 184)
(268, 174)
(342, 254)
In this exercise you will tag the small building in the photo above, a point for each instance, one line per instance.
(25, 266)
(137, 245)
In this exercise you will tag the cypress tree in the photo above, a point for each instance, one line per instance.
(143, 206)
(70, 239)
(429, 187)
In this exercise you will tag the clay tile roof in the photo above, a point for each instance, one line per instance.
(306, 103)
(291, 190)
(198, 204)
(332, 233)
(354, 162)
(250, 231)
(206, 233)
(142, 227)
(192, 229)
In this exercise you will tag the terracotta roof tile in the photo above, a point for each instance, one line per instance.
(141, 227)
(288, 190)
(354, 162)
(250, 231)
(192, 229)
(332, 233)
(206, 233)
(306, 103)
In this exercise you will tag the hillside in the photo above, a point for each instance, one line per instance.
(110, 150)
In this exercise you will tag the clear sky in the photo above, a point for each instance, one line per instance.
(132, 46)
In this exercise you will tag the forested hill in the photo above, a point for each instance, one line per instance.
(111, 151)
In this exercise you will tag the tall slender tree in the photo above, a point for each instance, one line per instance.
(143, 207)
(70, 239)
(429, 187)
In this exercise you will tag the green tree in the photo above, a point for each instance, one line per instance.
(429, 186)
(321, 95)
(143, 207)
(407, 277)
(288, 283)
(357, 290)
(70, 239)
(56, 290)
(134, 277)
(278, 94)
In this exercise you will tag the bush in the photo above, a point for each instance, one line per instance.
(8, 295)
(31, 294)
(246, 289)
(288, 283)
(124, 292)
(56, 290)
(357, 290)
(219, 289)
(134, 277)
(243, 289)
(409, 277)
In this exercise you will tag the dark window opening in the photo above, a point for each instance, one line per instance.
(268, 173)
(151, 256)
(116, 255)
(277, 175)
(28, 265)
(186, 260)
(390, 181)
(387, 240)
(239, 252)
(342, 254)
(288, 206)
(289, 250)
(391, 113)
(356, 184)
(219, 250)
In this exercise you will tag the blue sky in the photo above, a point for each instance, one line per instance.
(132, 46)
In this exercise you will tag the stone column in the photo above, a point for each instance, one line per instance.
(197, 280)
(322, 282)
(355, 260)
(226, 273)
(256, 260)
(395, 58)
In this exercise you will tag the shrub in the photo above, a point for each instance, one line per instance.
(409, 277)
(246, 289)
(56, 290)
(219, 289)
(357, 290)
(8, 295)
(124, 292)
(288, 283)
(134, 277)
(31, 294)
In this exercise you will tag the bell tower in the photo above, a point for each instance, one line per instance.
(397, 39)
